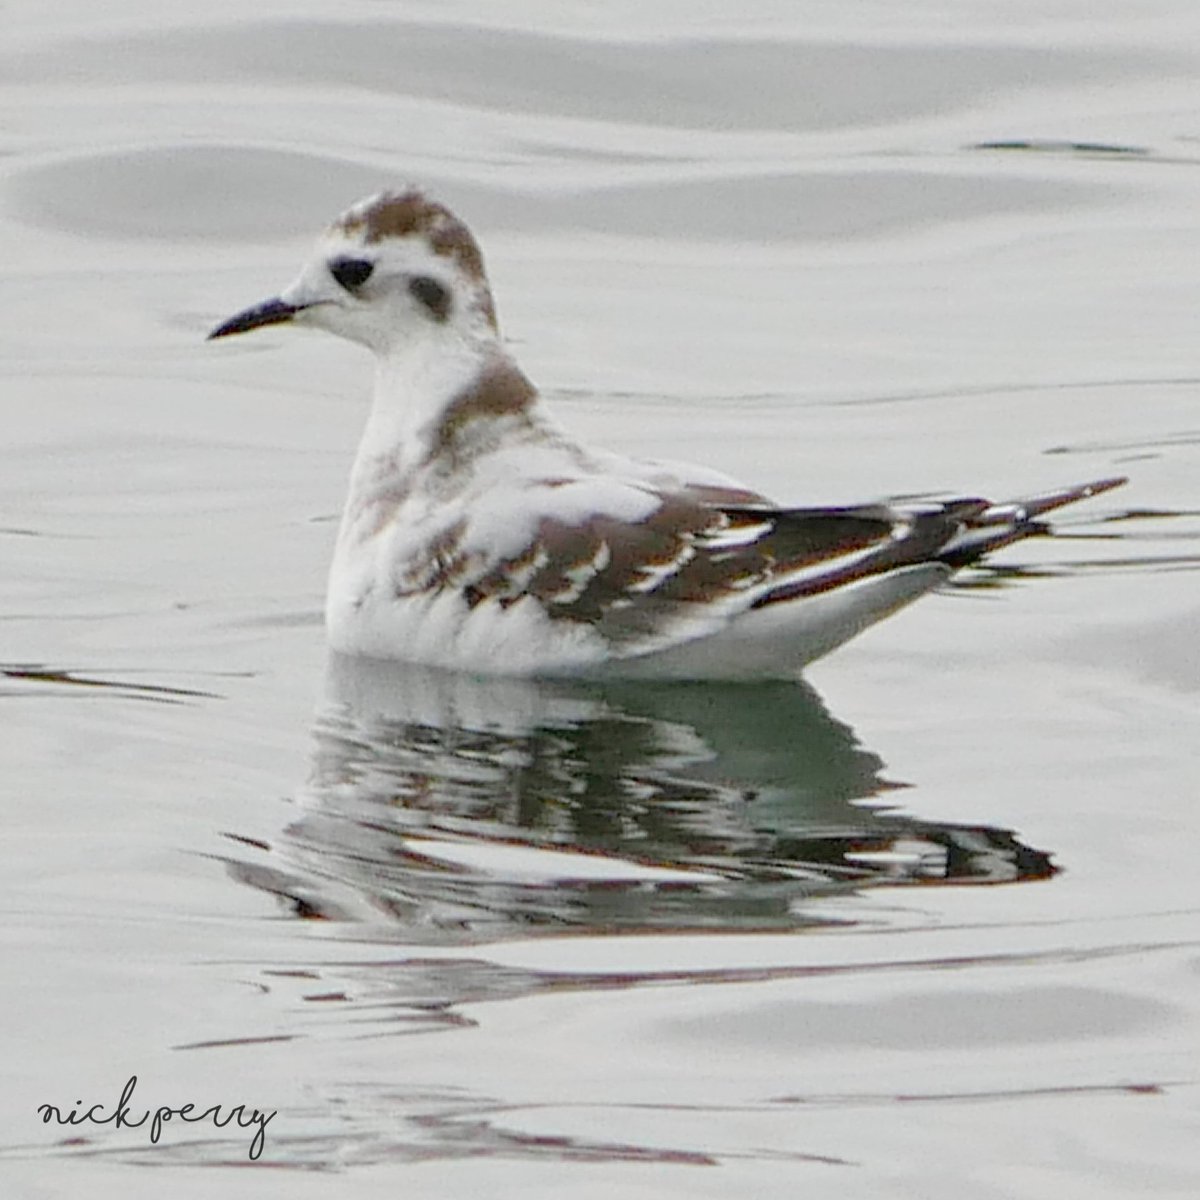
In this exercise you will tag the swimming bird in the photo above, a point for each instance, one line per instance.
(479, 535)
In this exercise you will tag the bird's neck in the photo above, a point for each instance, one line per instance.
(414, 384)
(437, 402)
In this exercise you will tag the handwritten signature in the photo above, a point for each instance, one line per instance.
(120, 1117)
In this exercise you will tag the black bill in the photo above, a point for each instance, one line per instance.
(270, 312)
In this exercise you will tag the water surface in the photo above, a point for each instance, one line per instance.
(921, 924)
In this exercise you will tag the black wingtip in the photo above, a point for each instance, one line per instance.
(1036, 506)
(1107, 485)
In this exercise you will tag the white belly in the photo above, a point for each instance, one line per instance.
(440, 629)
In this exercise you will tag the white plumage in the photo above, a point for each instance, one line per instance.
(477, 535)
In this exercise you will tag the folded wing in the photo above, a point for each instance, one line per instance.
(691, 560)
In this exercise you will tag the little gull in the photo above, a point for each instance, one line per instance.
(479, 536)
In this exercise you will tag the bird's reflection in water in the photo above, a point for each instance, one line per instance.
(459, 809)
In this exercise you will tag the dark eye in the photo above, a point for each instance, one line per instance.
(435, 296)
(351, 273)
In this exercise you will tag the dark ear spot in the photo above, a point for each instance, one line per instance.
(433, 295)
(351, 273)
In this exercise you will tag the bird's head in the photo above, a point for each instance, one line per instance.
(392, 270)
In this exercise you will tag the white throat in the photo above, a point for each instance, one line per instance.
(415, 384)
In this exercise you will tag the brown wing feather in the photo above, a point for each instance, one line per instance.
(629, 577)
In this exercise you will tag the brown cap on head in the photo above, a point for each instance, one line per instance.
(411, 212)
(401, 214)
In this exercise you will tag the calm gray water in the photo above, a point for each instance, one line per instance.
(923, 925)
